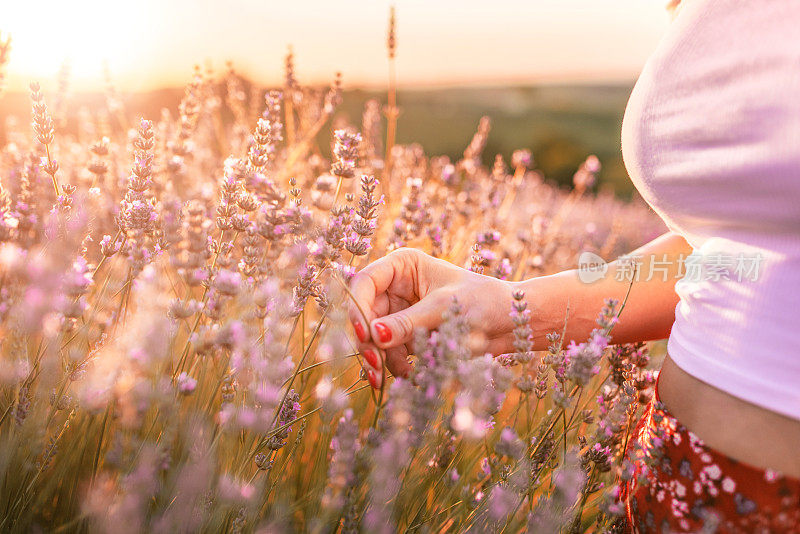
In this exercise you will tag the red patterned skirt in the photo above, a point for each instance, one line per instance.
(678, 484)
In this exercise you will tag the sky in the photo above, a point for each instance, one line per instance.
(155, 43)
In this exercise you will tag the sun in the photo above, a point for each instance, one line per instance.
(83, 34)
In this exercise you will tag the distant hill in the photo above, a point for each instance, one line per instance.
(561, 125)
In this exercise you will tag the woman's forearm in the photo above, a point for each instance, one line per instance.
(650, 275)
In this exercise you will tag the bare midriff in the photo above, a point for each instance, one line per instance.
(736, 428)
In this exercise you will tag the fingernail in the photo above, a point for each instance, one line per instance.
(374, 381)
(371, 358)
(384, 334)
(361, 334)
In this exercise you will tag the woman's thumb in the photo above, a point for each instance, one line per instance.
(398, 328)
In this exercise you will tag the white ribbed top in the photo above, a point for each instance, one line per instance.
(711, 138)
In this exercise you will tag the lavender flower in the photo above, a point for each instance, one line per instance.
(344, 446)
(186, 384)
(75, 285)
(484, 382)
(521, 317)
(586, 174)
(287, 414)
(306, 287)
(137, 213)
(582, 359)
(268, 132)
(358, 243)
(44, 129)
(345, 152)
(522, 159)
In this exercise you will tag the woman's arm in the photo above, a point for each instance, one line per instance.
(649, 309)
(408, 289)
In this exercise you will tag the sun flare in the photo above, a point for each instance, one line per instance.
(82, 35)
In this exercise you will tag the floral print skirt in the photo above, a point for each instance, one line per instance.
(678, 484)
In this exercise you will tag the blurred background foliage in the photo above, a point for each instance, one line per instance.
(560, 124)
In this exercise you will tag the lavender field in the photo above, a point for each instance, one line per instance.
(175, 351)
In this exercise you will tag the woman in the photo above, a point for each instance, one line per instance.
(711, 138)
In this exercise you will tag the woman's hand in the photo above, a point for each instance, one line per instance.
(406, 290)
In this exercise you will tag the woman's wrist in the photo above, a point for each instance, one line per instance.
(541, 304)
(554, 300)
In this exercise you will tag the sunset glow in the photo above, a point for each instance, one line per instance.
(442, 42)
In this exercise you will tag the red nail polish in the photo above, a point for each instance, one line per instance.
(374, 381)
(384, 334)
(360, 333)
(371, 358)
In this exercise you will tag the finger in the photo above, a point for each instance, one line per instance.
(375, 379)
(397, 328)
(365, 287)
(361, 329)
(373, 359)
(383, 305)
(397, 361)
(394, 304)
(372, 365)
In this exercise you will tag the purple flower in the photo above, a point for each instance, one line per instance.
(186, 384)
